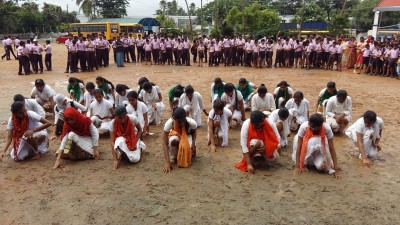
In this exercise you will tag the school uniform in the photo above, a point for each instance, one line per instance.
(211, 55)
(90, 55)
(155, 50)
(147, 50)
(23, 60)
(38, 59)
(240, 52)
(140, 52)
(132, 42)
(186, 55)
(168, 46)
(81, 55)
(227, 50)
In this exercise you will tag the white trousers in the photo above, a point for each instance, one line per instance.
(369, 138)
(133, 156)
(25, 149)
(154, 114)
(194, 114)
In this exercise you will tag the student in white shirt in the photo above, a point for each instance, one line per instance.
(30, 104)
(107, 87)
(121, 96)
(102, 112)
(365, 61)
(43, 94)
(338, 111)
(88, 96)
(179, 140)
(365, 134)
(263, 101)
(313, 146)
(219, 119)
(151, 96)
(300, 109)
(282, 118)
(193, 104)
(138, 109)
(233, 100)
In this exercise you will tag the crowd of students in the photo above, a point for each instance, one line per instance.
(93, 109)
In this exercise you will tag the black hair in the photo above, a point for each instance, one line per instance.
(19, 98)
(178, 91)
(242, 81)
(189, 89)
(342, 93)
(47, 41)
(262, 89)
(104, 80)
(90, 85)
(74, 80)
(98, 91)
(142, 80)
(179, 113)
(147, 86)
(229, 87)
(331, 84)
(218, 104)
(257, 117)
(121, 87)
(39, 82)
(370, 116)
(133, 94)
(283, 83)
(16, 107)
(298, 94)
(316, 119)
(283, 113)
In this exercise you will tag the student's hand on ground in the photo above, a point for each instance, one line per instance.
(1, 156)
(298, 170)
(57, 164)
(336, 175)
(366, 162)
(167, 168)
(115, 164)
(96, 154)
(29, 133)
(250, 169)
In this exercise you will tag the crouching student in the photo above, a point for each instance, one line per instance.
(79, 138)
(313, 146)
(138, 109)
(338, 111)
(365, 133)
(233, 100)
(102, 112)
(179, 142)
(282, 118)
(259, 139)
(125, 141)
(300, 109)
(219, 119)
(324, 95)
(193, 104)
(27, 131)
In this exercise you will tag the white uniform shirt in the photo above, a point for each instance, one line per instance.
(45, 94)
(266, 103)
(102, 108)
(169, 124)
(244, 133)
(334, 107)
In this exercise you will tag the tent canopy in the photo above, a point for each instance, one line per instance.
(388, 5)
(149, 22)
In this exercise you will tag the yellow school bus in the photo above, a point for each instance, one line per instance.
(110, 30)
(131, 28)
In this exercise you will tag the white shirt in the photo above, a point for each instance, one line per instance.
(196, 103)
(244, 133)
(169, 124)
(45, 94)
(102, 108)
(359, 127)
(34, 121)
(139, 112)
(32, 105)
(303, 128)
(88, 99)
(289, 89)
(48, 49)
(266, 103)
(333, 106)
(232, 100)
(119, 99)
(148, 98)
(302, 109)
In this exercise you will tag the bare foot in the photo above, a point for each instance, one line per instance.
(36, 156)
(58, 164)
(213, 148)
(115, 164)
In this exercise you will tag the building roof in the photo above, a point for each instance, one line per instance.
(115, 20)
(388, 5)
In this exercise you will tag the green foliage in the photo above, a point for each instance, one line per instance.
(338, 24)
(166, 21)
(259, 20)
(171, 8)
(312, 13)
(112, 8)
(8, 16)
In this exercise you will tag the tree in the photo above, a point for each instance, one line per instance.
(338, 23)
(51, 14)
(312, 13)
(112, 8)
(166, 21)
(192, 9)
(8, 16)
(29, 17)
(86, 6)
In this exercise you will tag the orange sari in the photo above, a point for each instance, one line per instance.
(267, 136)
(127, 131)
(308, 135)
(184, 157)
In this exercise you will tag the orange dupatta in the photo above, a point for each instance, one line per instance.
(184, 157)
(308, 135)
(268, 137)
(19, 128)
(128, 132)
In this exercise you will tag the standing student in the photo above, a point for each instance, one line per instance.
(300, 109)
(72, 59)
(148, 49)
(102, 112)
(211, 53)
(263, 101)
(125, 142)
(81, 54)
(139, 45)
(168, 46)
(44, 95)
(90, 54)
(179, 140)
(338, 111)
(339, 55)
(313, 146)
(151, 96)
(365, 133)
(282, 93)
(79, 138)
(155, 50)
(138, 109)
(259, 139)
(47, 58)
(365, 58)
(132, 43)
(233, 100)
(27, 132)
(186, 52)
(200, 50)
(324, 95)
(37, 55)
(219, 119)
(23, 59)
(119, 51)
(193, 104)
(76, 88)
(298, 52)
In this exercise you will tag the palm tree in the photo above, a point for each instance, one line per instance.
(86, 6)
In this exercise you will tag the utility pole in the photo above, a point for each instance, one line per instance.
(201, 16)
(301, 19)
(216, 15)
(243, 18)
(190, 21)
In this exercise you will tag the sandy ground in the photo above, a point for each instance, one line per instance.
(211, 191)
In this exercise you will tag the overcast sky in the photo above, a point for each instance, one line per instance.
(136, 7)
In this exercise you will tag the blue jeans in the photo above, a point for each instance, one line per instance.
(120, 59)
